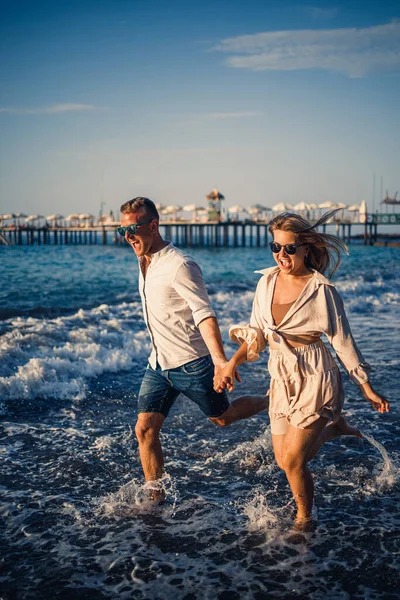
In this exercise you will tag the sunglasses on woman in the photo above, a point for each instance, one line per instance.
(289, 248)
(131, 229)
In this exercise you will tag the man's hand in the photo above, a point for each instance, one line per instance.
(224, 377)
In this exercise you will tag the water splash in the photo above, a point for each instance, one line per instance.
(135, 497)
(388, 475)
(261, 516)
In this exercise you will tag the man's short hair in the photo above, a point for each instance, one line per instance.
(133, 206)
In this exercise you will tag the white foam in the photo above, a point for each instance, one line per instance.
(56, 358)
(260, 515)
(135, 497)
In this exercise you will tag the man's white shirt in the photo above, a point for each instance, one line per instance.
(175, 301)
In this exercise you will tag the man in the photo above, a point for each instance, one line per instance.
(186, 340)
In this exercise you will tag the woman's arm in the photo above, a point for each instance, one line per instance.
(341, 339)
(378, 402)
(225, 378)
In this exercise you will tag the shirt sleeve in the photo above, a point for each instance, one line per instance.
(251, 333)
(189, 284)
(341, 339)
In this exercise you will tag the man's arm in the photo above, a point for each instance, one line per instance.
(190, 285)
(211, 334)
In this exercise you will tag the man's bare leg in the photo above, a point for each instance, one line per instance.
(147, 432)
(341, 427)
(242, 408)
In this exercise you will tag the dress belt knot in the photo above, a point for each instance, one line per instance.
(290, 356)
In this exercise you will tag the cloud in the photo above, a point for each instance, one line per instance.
(354, 52)
(49, 110)
(321, 13)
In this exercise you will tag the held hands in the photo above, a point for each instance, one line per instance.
(224, 377)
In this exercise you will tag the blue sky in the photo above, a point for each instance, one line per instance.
(268, 101)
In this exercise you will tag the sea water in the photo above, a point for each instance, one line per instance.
(76, 520)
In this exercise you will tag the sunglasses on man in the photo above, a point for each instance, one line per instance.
(131, 229)
(289, 248)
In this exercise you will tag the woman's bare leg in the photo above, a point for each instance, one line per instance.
(277, 443)
(295, 454)
(341, 427)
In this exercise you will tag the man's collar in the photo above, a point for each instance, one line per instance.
(157, 255)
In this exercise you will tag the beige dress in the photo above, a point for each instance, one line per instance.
(305, 381)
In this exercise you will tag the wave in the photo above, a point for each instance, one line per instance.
(55, 358)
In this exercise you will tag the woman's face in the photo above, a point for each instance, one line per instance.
(290, 264)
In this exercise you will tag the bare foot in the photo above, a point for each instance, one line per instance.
(155, 492)
(344, 428)
(305, 524)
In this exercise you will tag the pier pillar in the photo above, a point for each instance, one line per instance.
(225, 235)
(235, 236)
(201, 236)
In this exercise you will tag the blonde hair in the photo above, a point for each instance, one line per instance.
(324, 254)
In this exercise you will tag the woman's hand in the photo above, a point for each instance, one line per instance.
(378, 402)
(224, 377)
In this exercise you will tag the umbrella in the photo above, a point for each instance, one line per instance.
(19, 216)
(236, 209)
(32, 218)
(73, 217)
(261, 207)
(55, 217)
(342, 207)
(353, 207)
(172, 209)
(326, 205)
(9, 216)
(282, 207)
(190, 207)
(302, 206)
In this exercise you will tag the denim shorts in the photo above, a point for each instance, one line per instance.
(160, 389)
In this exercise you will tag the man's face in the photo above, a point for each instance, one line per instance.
(142, 241)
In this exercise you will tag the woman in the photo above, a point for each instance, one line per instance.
(293, 306)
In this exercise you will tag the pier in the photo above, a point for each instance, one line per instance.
(194, 234)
